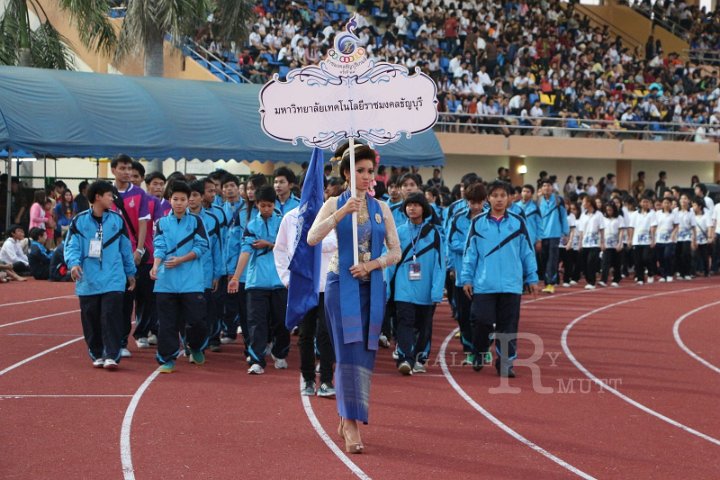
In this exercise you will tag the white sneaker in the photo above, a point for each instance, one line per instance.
(256, 369)
(566, 285)
(405, 368)
(280, 363)
(152, 339)
(650, 280)
(383, 341)
(419, 368)
(614, 284)
(661, 280)
(228, 340)
(589, 287)
(602, 284)
(125, 353)
(687, 277)
(573, 282)
(98, 362)
(110, 364)
(639, 282)
(669, 279)
(142, 342)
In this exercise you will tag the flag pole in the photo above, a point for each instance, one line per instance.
(353, 187)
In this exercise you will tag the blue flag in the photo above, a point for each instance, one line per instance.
(304, 286)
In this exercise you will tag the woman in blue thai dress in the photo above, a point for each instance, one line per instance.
(355, 294)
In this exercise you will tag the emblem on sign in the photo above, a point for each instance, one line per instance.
(348, 96)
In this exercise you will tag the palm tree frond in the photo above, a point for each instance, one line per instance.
(9, 28)
(94, 27)
(49, 50)
(233, 16)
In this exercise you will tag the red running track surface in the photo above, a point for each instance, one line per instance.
(62, 418)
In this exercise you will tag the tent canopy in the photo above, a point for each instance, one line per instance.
(66, 114)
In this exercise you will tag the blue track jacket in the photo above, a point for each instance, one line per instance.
(261, 271)
(174, 238)
(213, 264)
(109, 272)
(533, 219)
(554, 217)
(499, 257)
(457, 240)
(426, 244)
(291, 203)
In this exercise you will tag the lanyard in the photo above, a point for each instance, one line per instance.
(414, 240)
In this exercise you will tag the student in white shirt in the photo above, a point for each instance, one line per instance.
(614, 233)
(313, 328)
(641, 238)
(591, 241)
(685, 238)
(569, 254)
(665, 239)
(12, 252)
(703, 233)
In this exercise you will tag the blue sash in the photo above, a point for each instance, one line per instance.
(350, 287)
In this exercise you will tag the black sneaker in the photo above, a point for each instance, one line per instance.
(326, 390)
(307, 389)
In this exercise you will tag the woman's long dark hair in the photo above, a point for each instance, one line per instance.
(257, 180)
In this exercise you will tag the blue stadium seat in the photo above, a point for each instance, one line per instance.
(444, 64)
(283, 71)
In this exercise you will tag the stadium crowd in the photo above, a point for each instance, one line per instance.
(692, 23)
(512, 68)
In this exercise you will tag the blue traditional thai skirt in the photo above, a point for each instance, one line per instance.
(354, 363)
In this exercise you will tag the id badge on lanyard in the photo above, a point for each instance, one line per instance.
(95, 249)
(415, 271)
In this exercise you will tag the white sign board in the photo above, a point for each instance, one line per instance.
(348, 96)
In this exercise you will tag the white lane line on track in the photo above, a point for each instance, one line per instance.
(36, 301)
(616, 392)
(11, 396)
(125, 441)
(497, 422)
(38, 355)
(38, 318)
(41, 335)
(679, 340)
(326, 438)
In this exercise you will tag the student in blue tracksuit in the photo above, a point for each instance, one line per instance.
(236, 303)
(553, 226)
(180, 243)
(456, 242)
(231, 193)
(266, 295)
(283, 183)
(499, 260)
(416, 284)
(533, 219)
(99, 256)
(212, 261)
(220, 293)
(395, 201)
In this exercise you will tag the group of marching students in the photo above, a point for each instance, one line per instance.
(206, 261)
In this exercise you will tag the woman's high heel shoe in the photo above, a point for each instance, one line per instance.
(350, 446)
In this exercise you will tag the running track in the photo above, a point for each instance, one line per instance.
(655, 348)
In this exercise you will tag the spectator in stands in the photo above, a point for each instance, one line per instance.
(63, 213)
(37, 210)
